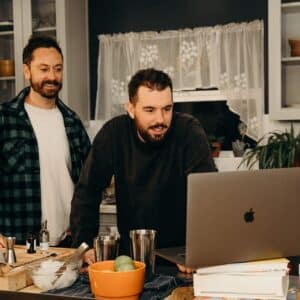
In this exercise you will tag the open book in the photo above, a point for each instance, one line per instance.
(260, 279)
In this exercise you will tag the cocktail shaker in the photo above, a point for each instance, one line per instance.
(143, 242)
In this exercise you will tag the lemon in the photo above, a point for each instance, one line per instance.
(123, 260)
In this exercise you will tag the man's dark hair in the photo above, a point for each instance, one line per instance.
(151, 78)
(36, 42)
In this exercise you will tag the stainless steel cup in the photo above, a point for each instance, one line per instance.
(142, 244)
(106, 247)
(10, 255)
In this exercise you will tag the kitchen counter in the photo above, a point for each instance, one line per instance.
(167, 277)
(178, 293)
(168, 282)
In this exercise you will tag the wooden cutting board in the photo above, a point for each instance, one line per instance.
(17, 277)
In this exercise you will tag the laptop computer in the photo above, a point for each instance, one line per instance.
(240, 216)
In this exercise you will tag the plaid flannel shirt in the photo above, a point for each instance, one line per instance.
(20, 191)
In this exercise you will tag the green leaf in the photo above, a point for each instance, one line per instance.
(275, 150)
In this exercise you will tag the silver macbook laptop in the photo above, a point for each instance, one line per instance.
(240, 216)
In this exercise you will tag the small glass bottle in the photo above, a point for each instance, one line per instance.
(31, 243)
(44, 237)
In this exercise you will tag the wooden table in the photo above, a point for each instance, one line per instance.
(181, 293)
(17, 278)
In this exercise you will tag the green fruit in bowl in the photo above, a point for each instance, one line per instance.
(125, 267)
(123, 260)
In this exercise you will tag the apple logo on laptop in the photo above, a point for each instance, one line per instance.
(249, 216)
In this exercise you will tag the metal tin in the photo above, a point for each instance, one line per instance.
(106, 247)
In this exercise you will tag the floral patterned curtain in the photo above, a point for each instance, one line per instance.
(228, 57)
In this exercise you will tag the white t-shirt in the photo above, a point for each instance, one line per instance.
(55, 166)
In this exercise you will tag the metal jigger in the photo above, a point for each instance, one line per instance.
(10, 255)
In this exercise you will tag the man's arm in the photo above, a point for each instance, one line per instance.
(2, 241)
(95, 176)
(198, 156)
(198, 159)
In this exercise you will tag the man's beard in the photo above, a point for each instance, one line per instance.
(153, 139)
(49, 94)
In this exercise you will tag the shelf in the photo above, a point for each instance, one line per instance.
(291, 60)
(290, 8)
(7, 78)
(292, 106)
(6, 23)
(6, 27)
(9, 32)
(284, 70)
(43, 29)
(295, 4)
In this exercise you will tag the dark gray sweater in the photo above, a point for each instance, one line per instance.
(150, 180)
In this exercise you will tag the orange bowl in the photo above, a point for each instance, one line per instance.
(108, 284)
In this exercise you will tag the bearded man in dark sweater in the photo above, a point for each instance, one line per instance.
(150, 151)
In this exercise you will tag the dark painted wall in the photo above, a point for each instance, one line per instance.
(115, 16)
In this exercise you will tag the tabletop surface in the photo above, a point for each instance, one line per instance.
(168, 283)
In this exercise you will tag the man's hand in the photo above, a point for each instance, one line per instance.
(88, 259)
(2, 241)
(183, 269)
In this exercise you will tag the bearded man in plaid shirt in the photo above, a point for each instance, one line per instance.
(43, 145)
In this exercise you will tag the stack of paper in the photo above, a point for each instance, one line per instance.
(266, 279)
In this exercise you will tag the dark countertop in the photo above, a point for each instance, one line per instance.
(166, 279)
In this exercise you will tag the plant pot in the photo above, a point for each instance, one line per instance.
(238, 148)
(295, 47)
(7, 67)
(216, 148)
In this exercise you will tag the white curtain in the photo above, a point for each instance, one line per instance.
(229, 57)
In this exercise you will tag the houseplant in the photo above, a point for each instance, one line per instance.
(277, 150)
